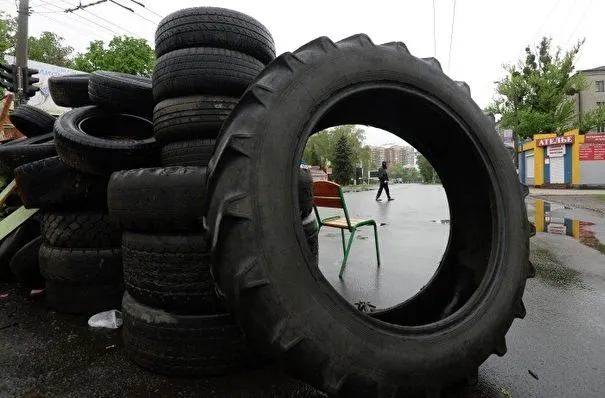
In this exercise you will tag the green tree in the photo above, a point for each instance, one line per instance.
(411, 175)
(594, 119)
(123, 54)
(324, 144)
(427, 172)
(49, 48)
(396, 171)
(8, 28)
(343, 167)
(313, 158)
(536, 94)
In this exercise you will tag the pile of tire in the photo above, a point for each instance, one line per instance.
(439, 337)
(19, 250)
(108, 129)
(174, 321)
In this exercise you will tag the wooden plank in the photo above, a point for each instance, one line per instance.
(322, 201)
(326, 189)
(7, 191)
(15, 220)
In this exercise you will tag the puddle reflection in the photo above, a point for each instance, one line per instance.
(547, 219)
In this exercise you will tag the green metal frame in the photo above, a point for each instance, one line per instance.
(352, 229)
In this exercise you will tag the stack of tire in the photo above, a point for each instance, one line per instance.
(174, 321)
(109, 129)
(19, 250)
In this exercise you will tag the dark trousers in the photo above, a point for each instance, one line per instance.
(383, 185)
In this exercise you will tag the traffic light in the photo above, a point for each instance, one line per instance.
(8, 77)
(28, 82)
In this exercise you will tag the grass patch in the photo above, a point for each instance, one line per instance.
(600, 198)
(551, 272)
(359, 188)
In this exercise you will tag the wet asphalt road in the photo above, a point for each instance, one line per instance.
(561, 341)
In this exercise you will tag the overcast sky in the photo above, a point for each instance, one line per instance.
(487, 33)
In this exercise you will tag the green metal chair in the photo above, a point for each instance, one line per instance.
(329, 194)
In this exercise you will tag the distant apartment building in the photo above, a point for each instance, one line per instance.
(404, 155)
(593, 94)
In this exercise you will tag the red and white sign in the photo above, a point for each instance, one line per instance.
(594, 138)
(566, 139)
(592, 151)
(555, 151)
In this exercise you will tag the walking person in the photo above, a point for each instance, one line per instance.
(383, 177)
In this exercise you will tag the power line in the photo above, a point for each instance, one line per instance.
(449, 57)
(547, 17)
(575, 29)
(74, 28)
(434, 32)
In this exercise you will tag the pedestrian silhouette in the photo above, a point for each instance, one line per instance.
(383, 177)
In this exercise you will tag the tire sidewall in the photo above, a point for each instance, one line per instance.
(335, 326)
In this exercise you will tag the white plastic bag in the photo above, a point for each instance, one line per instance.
(108, 319)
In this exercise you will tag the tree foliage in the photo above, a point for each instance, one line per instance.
(343, 166)
(320, 148)
(123, 54)
(427, 172)
(8, 28)
(49, 48)
(536, 94)
(594, 119)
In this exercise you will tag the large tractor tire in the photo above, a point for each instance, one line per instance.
(266, 270)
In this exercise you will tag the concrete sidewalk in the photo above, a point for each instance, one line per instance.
(553, 192)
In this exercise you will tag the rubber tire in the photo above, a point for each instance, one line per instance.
(170, 272)
(50, 184)
(80, 266)
(28, 150)
(183, 345)
(305, 193)
(167, 199)
(31, 121)
(214, 27)
(190, 118)
(70, 91)
(203, 70)
(13, 242)
(84, 299)
(311, 229)
(96, 154)
(25, 266)
(188, 153)
(79, 230)
(291, 311)
(121, 92)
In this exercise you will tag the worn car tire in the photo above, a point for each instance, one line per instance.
(26, 151)
(31, 121)
(51, 184)
(183, 345)
(80, 266)
(203, 70)
(84, 299)
(188, 153)
(79, 230)
(311, 229)
(190, 118)
(214, 27)
(169, 199)
(305, 192)
(121, 92)
(13, 242)
(99, 141)
(281, 299)
(70, 91)
(25, 266)
(170, 272)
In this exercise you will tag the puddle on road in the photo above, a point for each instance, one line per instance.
(589, 233)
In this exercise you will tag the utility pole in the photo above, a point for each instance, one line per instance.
(21, 52)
